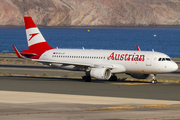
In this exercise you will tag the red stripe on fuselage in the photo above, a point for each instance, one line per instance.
(29, 22)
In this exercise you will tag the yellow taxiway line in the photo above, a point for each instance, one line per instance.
(133, 107)
(136, 83)
(141, 106)
(131, 83)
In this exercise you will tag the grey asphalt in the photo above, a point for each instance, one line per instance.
(95, 88)
(56, 111)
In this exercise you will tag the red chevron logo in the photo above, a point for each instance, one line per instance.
(32, 35)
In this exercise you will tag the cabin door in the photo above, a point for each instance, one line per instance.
(148, 60)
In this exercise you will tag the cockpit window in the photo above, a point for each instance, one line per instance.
(164, 59)
(168, 59)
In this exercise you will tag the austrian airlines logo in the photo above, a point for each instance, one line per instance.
(32, 35)
(126, 57)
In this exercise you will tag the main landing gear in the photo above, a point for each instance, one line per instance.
(113, 78)
(154, 81)
(86, 78)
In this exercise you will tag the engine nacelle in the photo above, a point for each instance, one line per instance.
(100, 73)
(139, 76)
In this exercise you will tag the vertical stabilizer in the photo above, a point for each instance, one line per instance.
(34, 37)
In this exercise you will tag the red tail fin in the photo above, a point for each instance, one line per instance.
(34, 37)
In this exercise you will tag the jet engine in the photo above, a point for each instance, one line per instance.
(139, 76)
(100, 73)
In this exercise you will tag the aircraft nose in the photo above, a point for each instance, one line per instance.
(173, 66)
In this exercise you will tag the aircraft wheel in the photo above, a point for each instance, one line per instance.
(113, 78)
(86, 78)
(154, 81)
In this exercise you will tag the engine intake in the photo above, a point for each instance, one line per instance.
(100, 73)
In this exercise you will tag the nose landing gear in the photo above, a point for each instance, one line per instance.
(154, 81)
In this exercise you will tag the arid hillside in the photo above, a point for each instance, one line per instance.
(91, 12)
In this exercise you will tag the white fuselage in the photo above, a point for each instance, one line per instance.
(143, 62)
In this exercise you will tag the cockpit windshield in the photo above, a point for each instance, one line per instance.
(168, 59)
(164, 59)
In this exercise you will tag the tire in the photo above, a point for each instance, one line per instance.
(86, 78)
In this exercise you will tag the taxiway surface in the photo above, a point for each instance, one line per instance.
(36, 98)
(160, 91)
(63, 98)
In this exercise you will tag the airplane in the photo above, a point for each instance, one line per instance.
(98, 64)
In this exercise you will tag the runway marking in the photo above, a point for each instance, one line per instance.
(131, 83)
(136, 83)
(134, 107)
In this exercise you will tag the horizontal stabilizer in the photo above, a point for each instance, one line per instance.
(19, 55)
(32, 54)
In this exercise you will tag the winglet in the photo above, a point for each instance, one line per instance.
(17, 52)
(138, 48)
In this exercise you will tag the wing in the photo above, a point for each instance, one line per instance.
(73, 63)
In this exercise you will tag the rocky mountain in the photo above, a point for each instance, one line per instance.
(91, 12)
